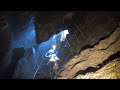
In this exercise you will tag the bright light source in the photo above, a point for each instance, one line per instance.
(33, 50)
(54, 36)
(54, 46)
(63, 35)
(66, 32)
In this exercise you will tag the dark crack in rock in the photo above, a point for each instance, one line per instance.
(109, 71)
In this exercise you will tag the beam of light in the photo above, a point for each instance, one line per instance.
(53, 43)
(26, 37)
(33, 49)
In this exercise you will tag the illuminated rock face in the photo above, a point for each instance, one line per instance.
(93, 57)
(109, 71)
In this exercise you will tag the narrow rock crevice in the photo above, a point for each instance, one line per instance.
(77, 63)
(111, 58)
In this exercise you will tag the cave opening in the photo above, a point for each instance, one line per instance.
(44, 65)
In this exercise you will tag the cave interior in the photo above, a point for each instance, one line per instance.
(26, 36)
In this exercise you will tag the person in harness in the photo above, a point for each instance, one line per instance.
(52, 54)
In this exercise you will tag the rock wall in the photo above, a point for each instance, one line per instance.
(4, 38)
(92, 57)
(109, 71)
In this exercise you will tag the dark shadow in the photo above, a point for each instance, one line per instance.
(83, 72)
(111, 58)
(86, 47)
(8, 71)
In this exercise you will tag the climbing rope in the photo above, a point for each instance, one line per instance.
(38, 68)
(50, 72)
(53, 41)
(79, 30)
